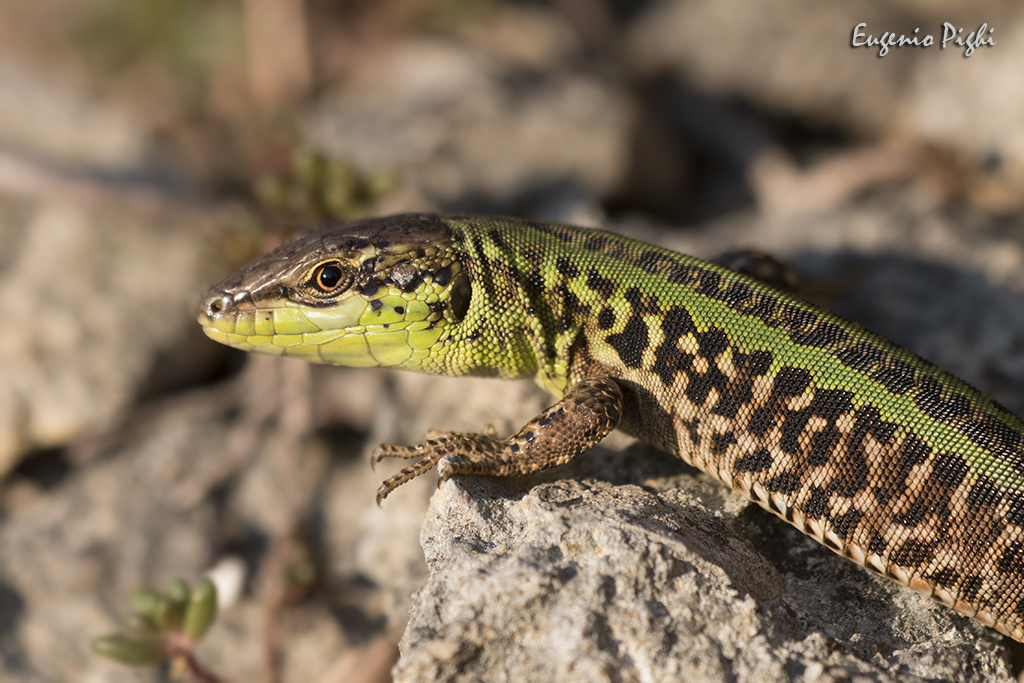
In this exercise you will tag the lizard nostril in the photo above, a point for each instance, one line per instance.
(216, 305)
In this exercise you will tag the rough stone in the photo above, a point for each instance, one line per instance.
(442, 114)
(598, 579)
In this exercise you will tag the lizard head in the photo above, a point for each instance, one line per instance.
(380, 292)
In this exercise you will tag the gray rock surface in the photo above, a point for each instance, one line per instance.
(458, 122)
(599, 581)
(91, 298)
(795, 57)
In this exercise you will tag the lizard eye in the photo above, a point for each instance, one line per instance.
(329, 278)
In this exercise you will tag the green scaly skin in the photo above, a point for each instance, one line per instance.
(857, 442)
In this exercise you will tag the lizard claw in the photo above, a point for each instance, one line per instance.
(444, 470)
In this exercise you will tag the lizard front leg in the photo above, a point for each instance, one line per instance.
(585, 415)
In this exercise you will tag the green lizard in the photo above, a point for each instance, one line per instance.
(877, 454)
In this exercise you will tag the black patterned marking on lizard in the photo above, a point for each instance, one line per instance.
(737, 295)
(851, 465)
(757, 461)
(983, 494)
(876, 545)
(913, 554)
(720, 442)
(668, 359)
(649, 261)
(1012, 560)
(946, 576)
(595, 243)
(692, 427)
(739, 392)
(606, 318)
(486, 271)
(829, 404)
(602, 285)
(793, 426)
(571, 309)
(789, 382)
(860, 356)
(683, 275)
(931, 401)
(558, 232)
(817, 505)
(823, 444)
(883, 432)
(709, 284)
(631, 342)
(442, 276)
(787, 482)
(371, 288)
(642, 304)
(710, 345)
(566, 267)
(533, 288)
(950, 469)
(970, 586)
(913, 515)
(912, 453)
(498, 240)
(846, 523)
(759, 362)
(699, 387)
(898, 377)
(821, 335)
(1015, 512)
(995, 435)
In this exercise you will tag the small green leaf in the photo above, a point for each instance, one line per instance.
(148, 604)
(178, 592)
(138, 651)
(201, 612)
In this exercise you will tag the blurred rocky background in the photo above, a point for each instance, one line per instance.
(148, 148)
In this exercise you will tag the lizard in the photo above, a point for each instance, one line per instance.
(874, 452)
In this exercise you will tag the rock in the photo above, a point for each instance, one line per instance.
(96, 303)
(620, 575)
(443, 114)
(794, 57)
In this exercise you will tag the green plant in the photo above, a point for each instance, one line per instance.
(165, 627)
